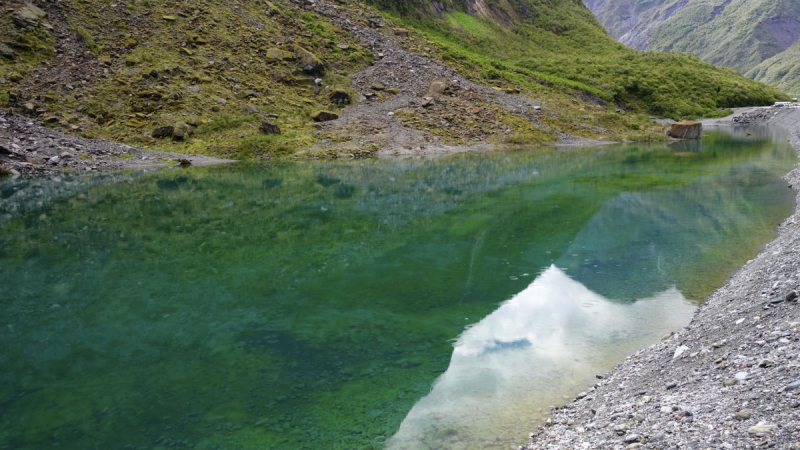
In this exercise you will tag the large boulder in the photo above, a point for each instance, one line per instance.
(686, 130)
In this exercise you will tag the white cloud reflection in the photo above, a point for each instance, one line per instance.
(546, 342)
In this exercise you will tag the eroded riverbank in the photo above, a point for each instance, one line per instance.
(728, 380)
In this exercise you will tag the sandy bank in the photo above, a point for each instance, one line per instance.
(730, 379)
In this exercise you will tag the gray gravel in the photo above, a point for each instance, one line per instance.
(27, 147)
(729, 380)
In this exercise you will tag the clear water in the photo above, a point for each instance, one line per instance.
(359, 304)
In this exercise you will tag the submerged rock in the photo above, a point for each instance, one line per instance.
(686, 130)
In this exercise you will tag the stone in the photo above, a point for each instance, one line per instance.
(438, 87)
(222, 101)
(269, 127)
(324, 116)
(4, 172)
(392, 91)
(7, 52)
(340, 97)
(730, 382)
(276, 54)
(15, 77)
(30, 16)
(400, 32)
(5, 150)
(631, 438)
(686, 130)
(672, 385)
(308, 61)
(792, 296)
(761, 427)
(741, 376)
(163, 132)
(427, 102)
(343, 47)
(185, 51)
(169, 18)
(131, 60)
(184, 162)
(666, 409)
(679, 351)
(766, 363)
(743, 414)
(790, 386)
(50, 120)
(181, 131)
(250, 109)
(377, 87)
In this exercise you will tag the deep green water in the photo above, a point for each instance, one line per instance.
(360, 304)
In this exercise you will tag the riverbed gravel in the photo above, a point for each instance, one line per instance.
(729, 380)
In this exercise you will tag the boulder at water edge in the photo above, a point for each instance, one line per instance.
(686, 130)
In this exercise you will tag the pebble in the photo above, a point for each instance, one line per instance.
(743, 414)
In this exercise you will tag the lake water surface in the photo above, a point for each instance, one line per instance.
(406, 304)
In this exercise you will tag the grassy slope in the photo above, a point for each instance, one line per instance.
(561, 47)
(733, 37)
(557, 52)
(782, 70)
(227, 59)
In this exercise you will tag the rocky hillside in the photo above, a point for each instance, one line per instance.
(253, 78)
(733, 33)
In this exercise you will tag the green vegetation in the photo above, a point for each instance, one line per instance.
(216, 70)
(562, 50)
(782, 70)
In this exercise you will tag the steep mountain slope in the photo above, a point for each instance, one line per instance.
(782, 70)
(733, 33)
(248, 78)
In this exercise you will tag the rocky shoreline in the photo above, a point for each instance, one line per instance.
(27, 147)
(729, 380)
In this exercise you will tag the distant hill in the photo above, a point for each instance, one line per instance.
(732, 33)
(782, 70)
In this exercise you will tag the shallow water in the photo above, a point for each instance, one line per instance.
(362, 304)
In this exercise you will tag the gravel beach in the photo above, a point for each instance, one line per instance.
(729, 380)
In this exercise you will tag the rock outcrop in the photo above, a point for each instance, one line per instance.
(686, 130)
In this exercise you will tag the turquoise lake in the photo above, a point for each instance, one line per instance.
(364, 304)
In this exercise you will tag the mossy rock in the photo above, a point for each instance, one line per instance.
(276, 54)
(324, 116)
(377, 87)
(181, 131)
(136, 123)
(392, 91)
(163, 132)
(29, 16)
(4, 172)
(131, 60)
(185, 51)
(308, 61)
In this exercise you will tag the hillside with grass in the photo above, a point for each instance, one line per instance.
(250, 79)
(782, 70)
(732, 33)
